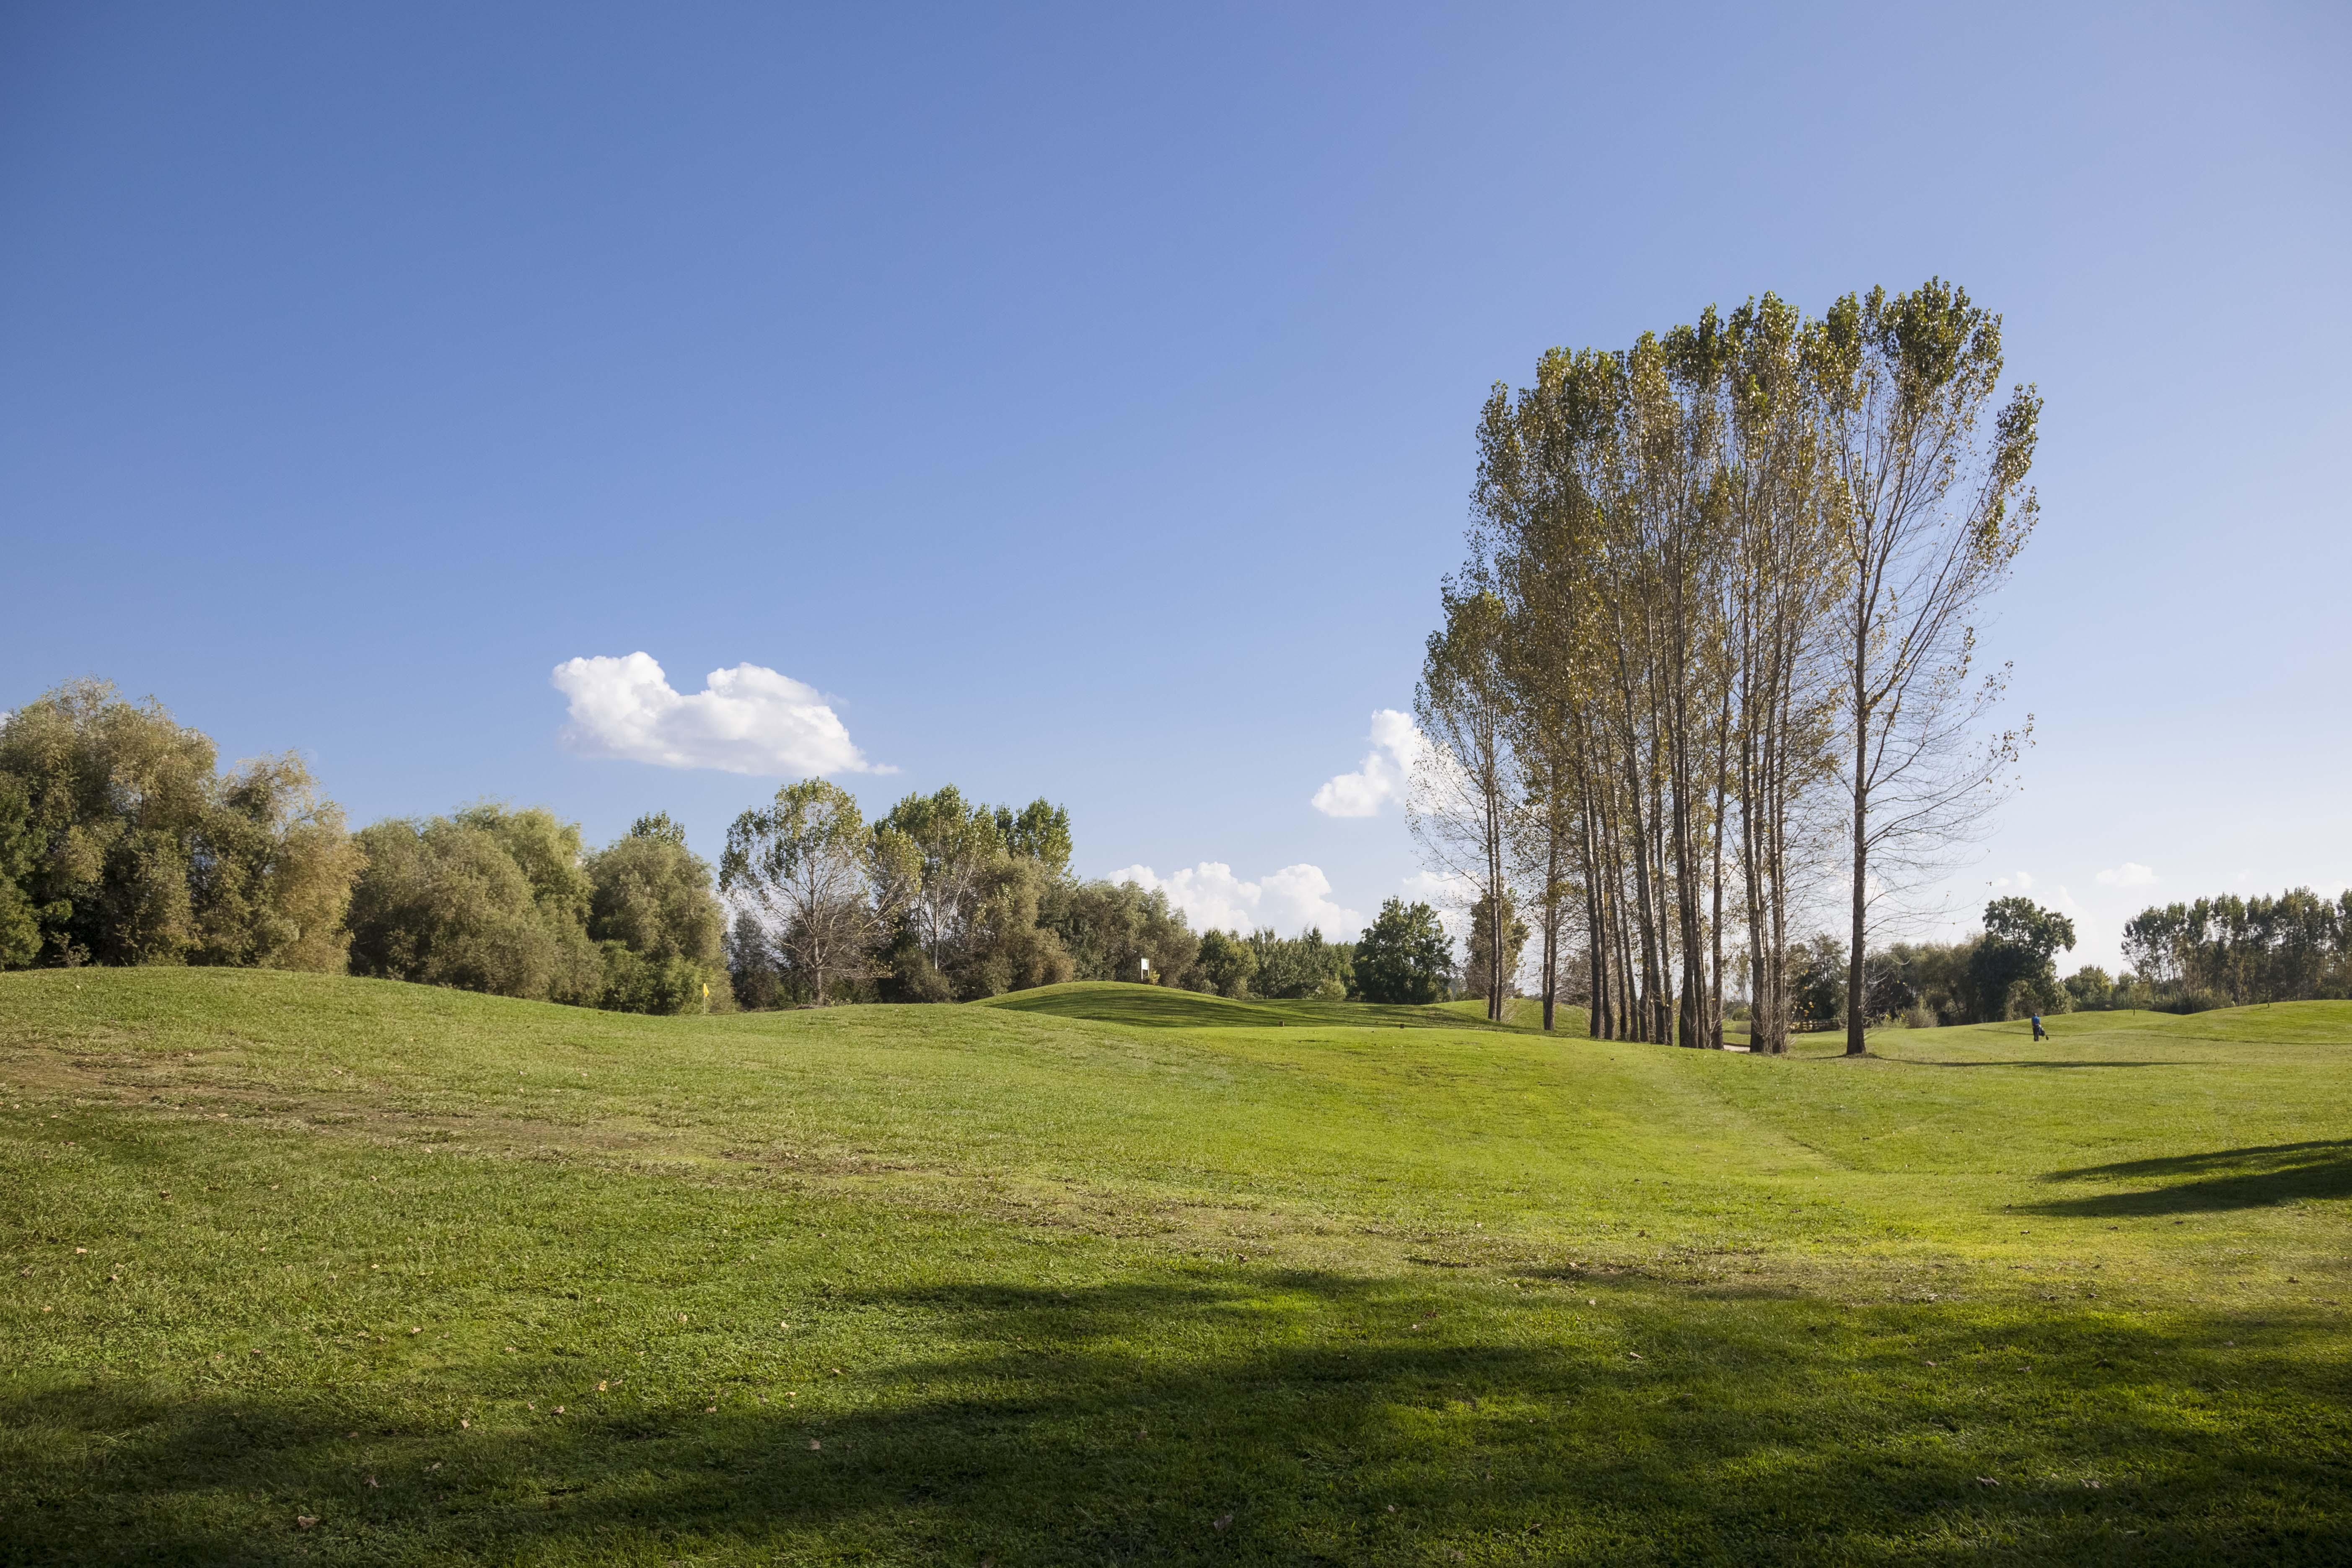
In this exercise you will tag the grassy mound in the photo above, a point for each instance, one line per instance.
(1158, 1007)
(455, 1278)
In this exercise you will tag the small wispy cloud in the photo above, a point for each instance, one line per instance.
(2130, 874)
(1450, 893)
(746, 719)
(2020, 880)
(1213, 899)
(1385, 774)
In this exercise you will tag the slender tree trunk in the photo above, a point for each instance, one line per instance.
(1552, 897)
(1714, 925)
(1856, 997)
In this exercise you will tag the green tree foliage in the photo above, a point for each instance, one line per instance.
(1224, 964)
(823, 891)
(1403, 956)
(1039, 831)
(21, 844)
(493, 899)
(120, 844)
(1479, 969)
(1290, 967)
(979, 881)
(1817, 981)
(1110, 928)
(2231, 951)
(651, 914)
(445, 902)
(1010, 950)
(2011, 971)
(1921, 983)
(2091, 989)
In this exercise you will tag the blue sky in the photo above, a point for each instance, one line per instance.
(1080, 399)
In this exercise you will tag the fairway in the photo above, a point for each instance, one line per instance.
(313, 1269)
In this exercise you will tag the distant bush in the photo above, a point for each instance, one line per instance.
(2191, 1000)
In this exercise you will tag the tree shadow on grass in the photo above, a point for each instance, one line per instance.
(2221, 1179)
(1281, 1418)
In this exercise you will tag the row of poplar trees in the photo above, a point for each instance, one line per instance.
(1714, 649)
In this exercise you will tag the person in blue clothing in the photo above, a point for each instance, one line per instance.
(2038, 1032)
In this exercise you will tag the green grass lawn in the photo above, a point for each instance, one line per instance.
(1102, 1274)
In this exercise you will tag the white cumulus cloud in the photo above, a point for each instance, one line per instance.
(746, 719)
(2130, 874)
(1289, 900)
(1384, 773)
(2022, 882)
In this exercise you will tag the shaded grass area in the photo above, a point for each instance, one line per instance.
(2218, 1179)
(1039, 1290)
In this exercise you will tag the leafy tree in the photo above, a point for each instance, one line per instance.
(754, 969)
(1299, 967)
(1479, 969)
(444, 901)
(954, 842)
(1464, 794)
(1892, 979)
(1931, 508)
(1226, 964)
(271, 881)
(2091, 989)
(2011, 969)
(2216, 951)
(21, 844)
(1403, 956)
(549, 851)
(978, 880)
(1040, 831)
(1110, 928)
(124, 846)
(1010, 951)
(820, 886)
(661, 931)
(1817, 980)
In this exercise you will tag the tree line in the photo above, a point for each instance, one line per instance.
(944, 900)
(1713, 651)
(2006, 969)
(2228, 952)
(123, 842)
(2224, 951)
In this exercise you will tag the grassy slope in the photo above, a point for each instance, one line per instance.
(1151, 1007)
(1095, 1276)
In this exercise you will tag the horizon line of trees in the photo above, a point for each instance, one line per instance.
(2189, 957)
(1712, 648)
(123, 842)
(2230, 951)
